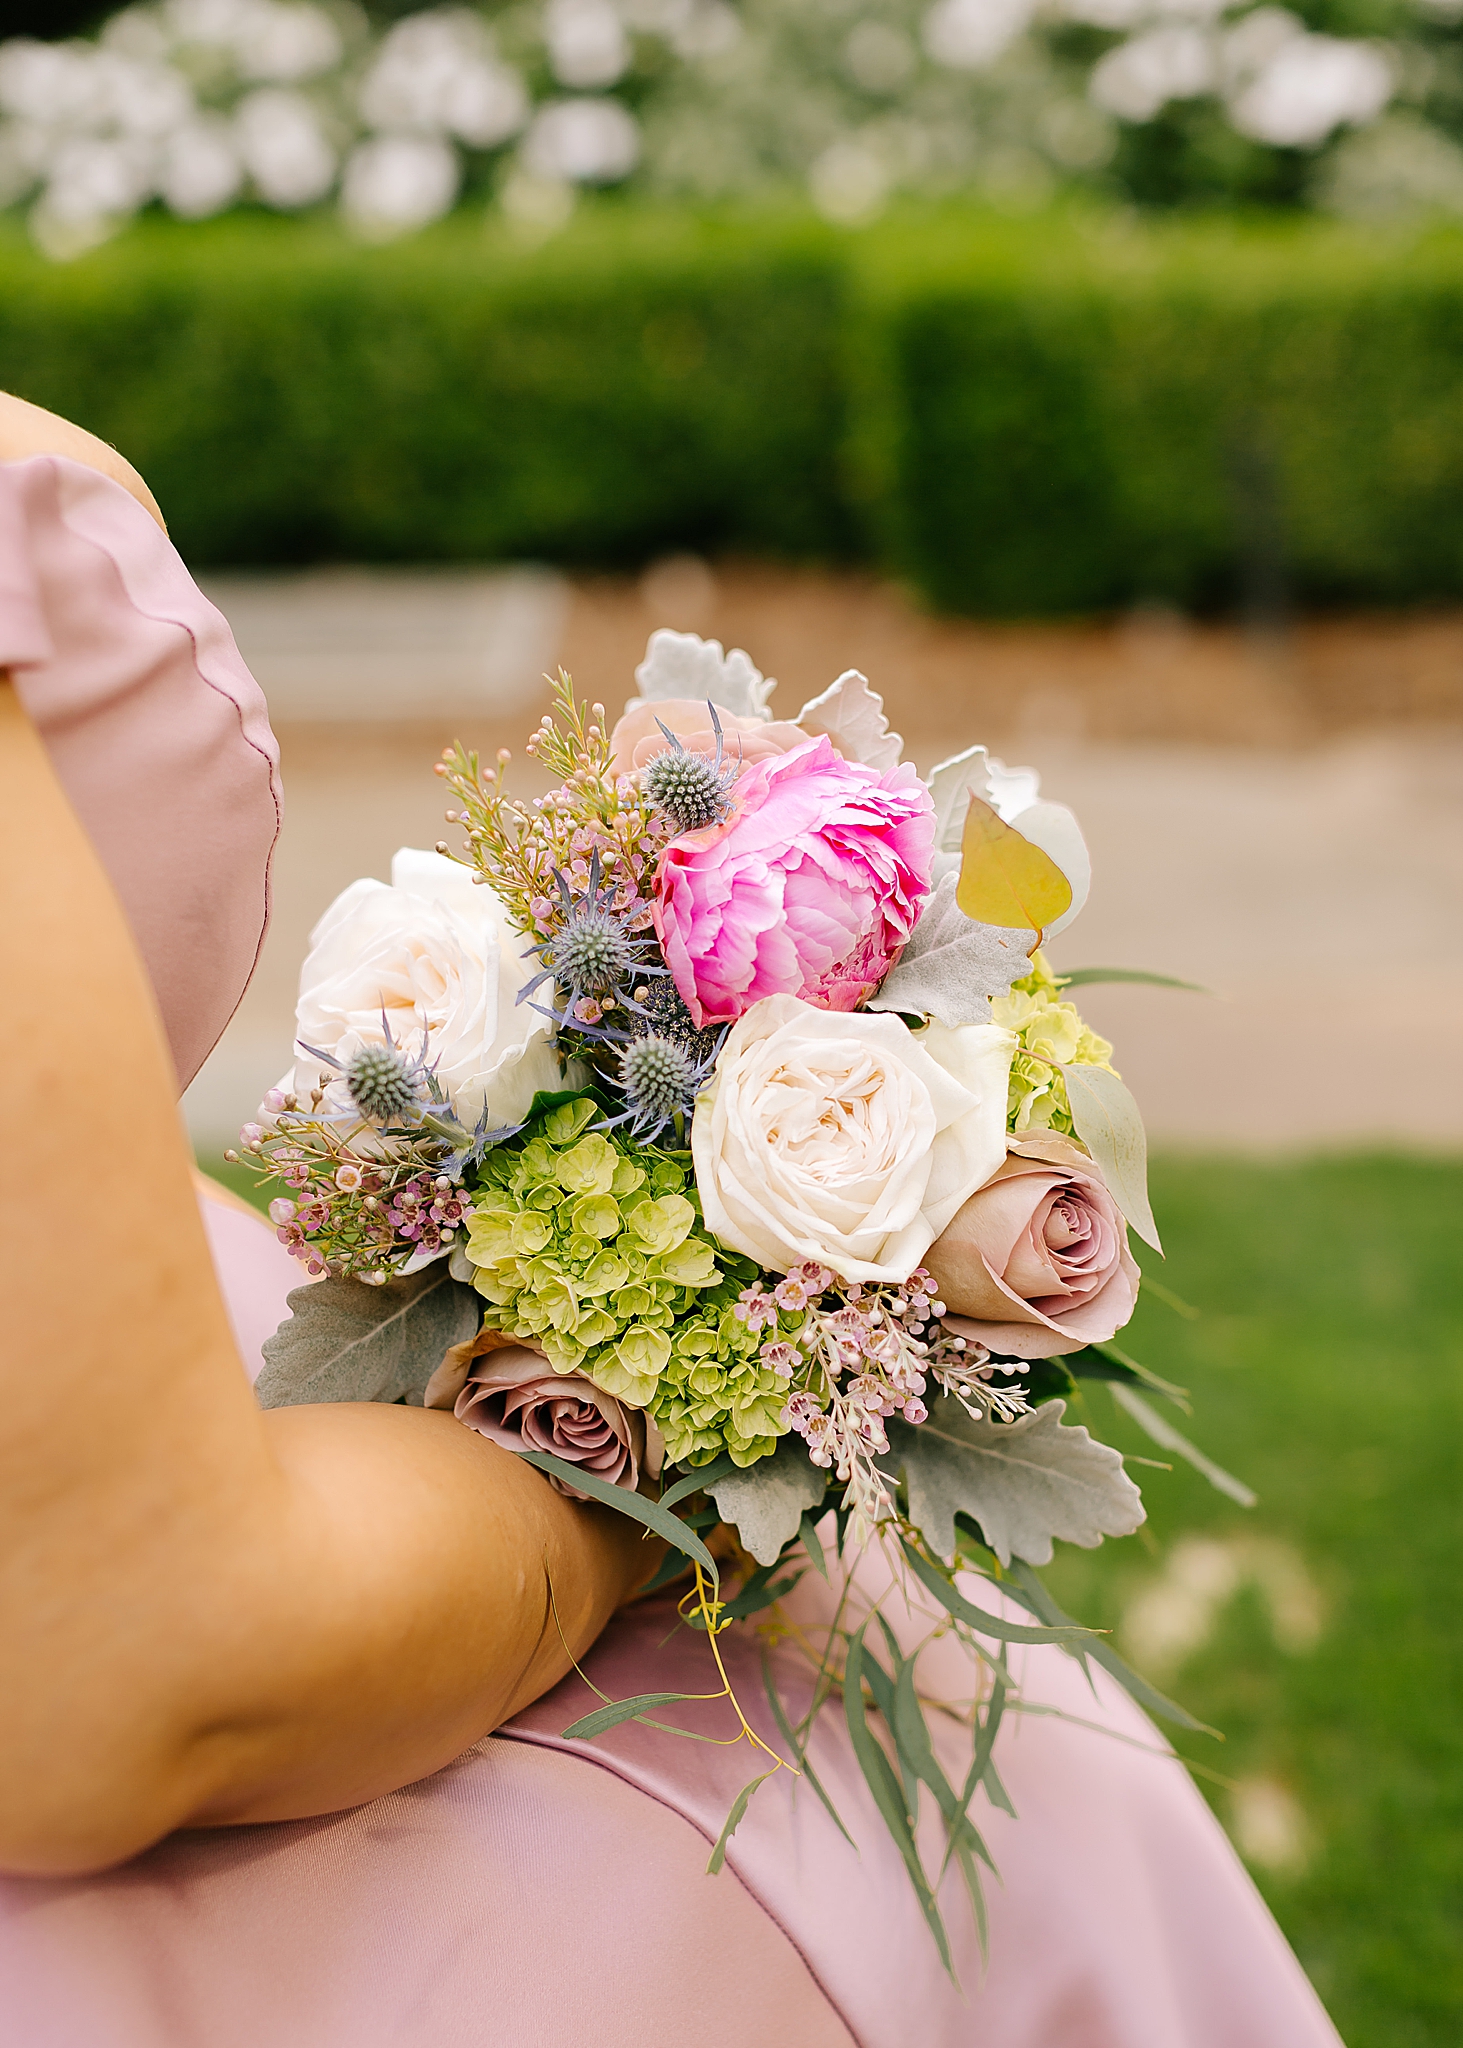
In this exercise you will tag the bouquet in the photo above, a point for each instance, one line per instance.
(714, 1133)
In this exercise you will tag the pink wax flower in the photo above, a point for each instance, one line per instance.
(809, 887)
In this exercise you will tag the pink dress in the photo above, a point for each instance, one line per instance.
(539, 1893)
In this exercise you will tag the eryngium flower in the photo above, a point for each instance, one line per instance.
(659, 1078)
(384, 1084)
(592, 952)
(691, 790)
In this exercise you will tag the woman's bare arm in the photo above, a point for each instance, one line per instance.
(210, 1614)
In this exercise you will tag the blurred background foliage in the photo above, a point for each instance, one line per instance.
(1064, 414)
(1044, 306)
(400, 112)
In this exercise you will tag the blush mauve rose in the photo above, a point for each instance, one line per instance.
(638, 738)
(507, 1391)
(810, 887)
(526, 1405)
(1037, 1261)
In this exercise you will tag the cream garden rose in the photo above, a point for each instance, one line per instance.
(434, 954)
(844, 1137)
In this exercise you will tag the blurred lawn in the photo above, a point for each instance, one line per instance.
(1326, 1369)
(239, 1178)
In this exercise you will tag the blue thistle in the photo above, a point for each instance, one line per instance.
(592, 952)
(692, 791)
(664, 1065)
(659, 1079)
(384, 1084)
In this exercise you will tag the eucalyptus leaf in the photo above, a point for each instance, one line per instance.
(766, 1503)
(697, 1481)
(952, 965)
(1168, 1438)
(1089, 977)
(888, 1793)
(347, 1341)
(616, 1711)
(670, 1527)
(1025, 1586)
(1007, 879)
(1022, 1482)
(812, 1543)
(799, 1749)
(1109, 1123)
(733, 1821)
(984, 1623)
(1108, 1362)
(1055, 830)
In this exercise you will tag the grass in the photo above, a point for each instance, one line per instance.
(240, 1179)
(1326, 1368)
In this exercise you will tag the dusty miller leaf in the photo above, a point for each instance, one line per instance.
(952, 783)
(852, 715)
(766, 1503)
(347, 1341)
(1109, 1123)
(1023, 1482)
(952, 964)
(685, 665)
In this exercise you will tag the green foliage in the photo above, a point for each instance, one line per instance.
(641, 383)
(593, 1246)
(1066, 413)
(1193, 413)
(1326, 1367)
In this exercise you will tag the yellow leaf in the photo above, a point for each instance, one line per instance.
(1004, 879)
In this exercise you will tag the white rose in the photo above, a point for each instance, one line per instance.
(436, 954)
(847, 1138)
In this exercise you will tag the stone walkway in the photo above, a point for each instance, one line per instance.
(1279, 822)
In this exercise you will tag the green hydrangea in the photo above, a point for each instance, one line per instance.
(1050, 1035)
(594, 1247)
(715, 1394)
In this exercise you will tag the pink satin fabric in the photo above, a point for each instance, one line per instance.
(156, 728)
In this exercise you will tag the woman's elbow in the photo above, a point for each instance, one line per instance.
(59, 1817)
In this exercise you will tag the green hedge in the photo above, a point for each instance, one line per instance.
(1055, 415)
(291, 397)
(1181, 414)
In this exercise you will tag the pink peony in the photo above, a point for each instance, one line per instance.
(809, 888)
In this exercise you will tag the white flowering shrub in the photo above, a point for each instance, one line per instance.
(199, 105)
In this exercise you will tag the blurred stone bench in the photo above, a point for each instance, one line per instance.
(396, 646)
